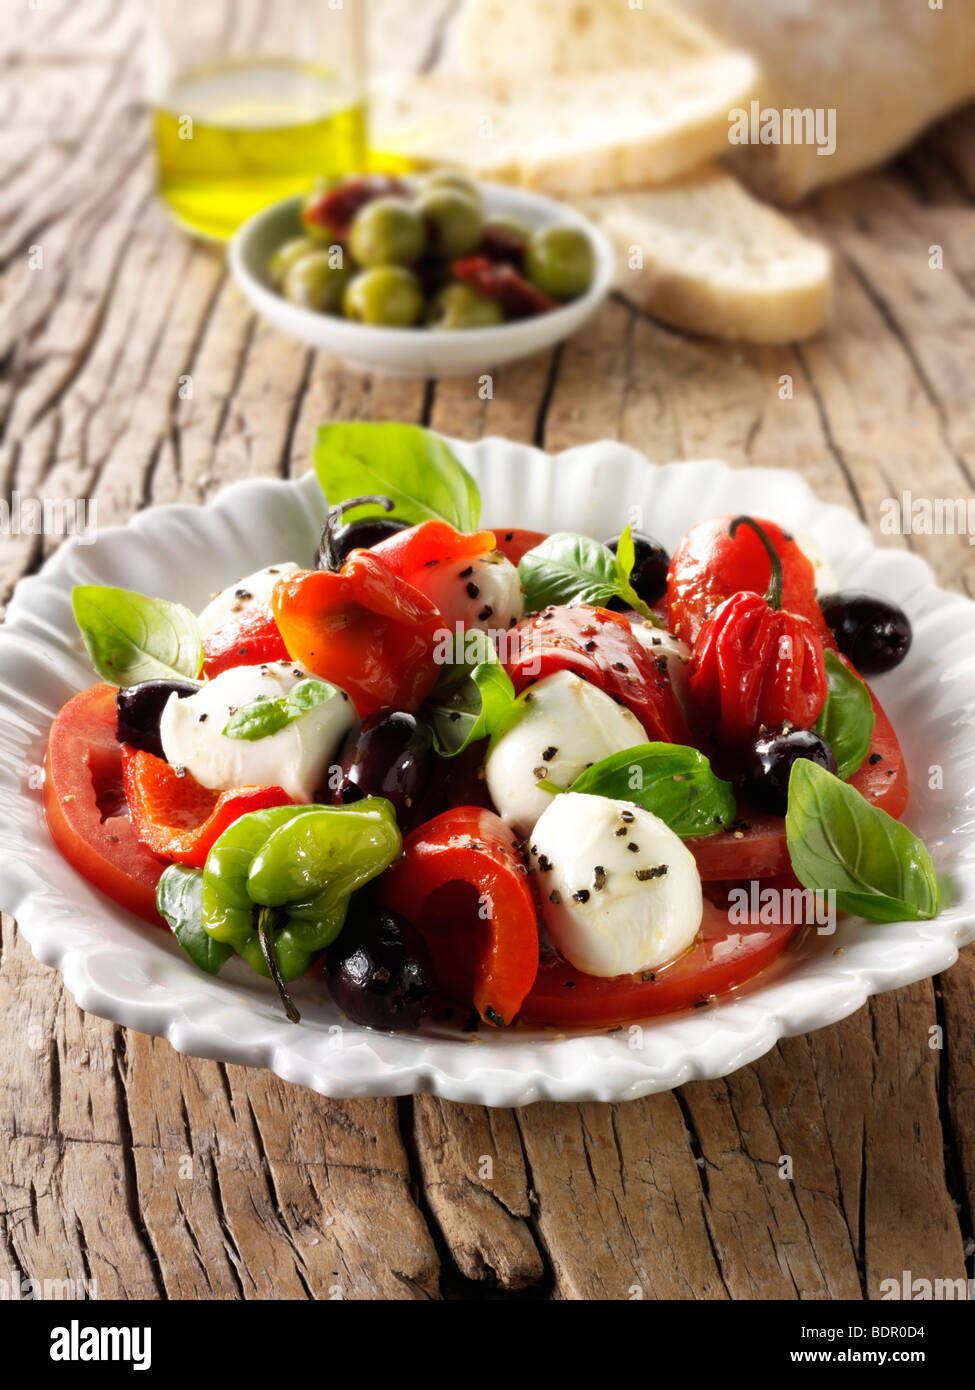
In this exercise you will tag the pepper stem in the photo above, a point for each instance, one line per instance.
(773, 594)
(265, 926)
(333, 520)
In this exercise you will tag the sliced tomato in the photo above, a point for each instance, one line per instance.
(516, 542)
(251, 642)
(84, 802)
(599, 645)
(725, 956)
(463, 885)
(755, 846)
(175, 817)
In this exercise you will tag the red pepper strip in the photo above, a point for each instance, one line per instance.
(335, 209)
(176, 817)
(600, 646)
(516, 541)
(425, 548)
(709, 566)
(754, 664)
(363, 628)
(518, 298)
(462, 884)
(253, 642)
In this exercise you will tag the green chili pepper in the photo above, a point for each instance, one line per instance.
(277, 883)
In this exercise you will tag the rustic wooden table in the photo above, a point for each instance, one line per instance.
(135, 374)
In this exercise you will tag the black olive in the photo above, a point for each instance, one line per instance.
(764, 779)
(358, 535)
(139, 709)
(649, 573)
(391, 755)
(378, 970)
(874, 633)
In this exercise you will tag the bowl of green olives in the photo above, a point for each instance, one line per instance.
(425, 276)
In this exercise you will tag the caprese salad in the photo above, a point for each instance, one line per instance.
(490, 775)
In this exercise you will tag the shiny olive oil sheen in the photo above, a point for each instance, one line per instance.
(232, 139)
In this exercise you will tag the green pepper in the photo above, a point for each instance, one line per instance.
(277, 883)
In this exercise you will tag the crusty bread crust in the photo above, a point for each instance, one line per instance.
(715, 261)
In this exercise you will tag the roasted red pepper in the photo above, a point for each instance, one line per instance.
(600, 646)
(754, 663)
(710, 564)
(463, 885)
(516, 295)
(363, 628)
(334, 210)
(422, 549)
(252, 642)
(175, 817)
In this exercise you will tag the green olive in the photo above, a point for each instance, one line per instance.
(459, 183)
(453, 221)
(315, 282)
(387, 231)
(461, 306)
(285, 257)
(560, 261)
(386, 295)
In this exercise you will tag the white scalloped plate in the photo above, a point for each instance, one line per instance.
(119, 968)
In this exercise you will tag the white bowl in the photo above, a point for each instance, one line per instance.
(418, 352)
(120, 968)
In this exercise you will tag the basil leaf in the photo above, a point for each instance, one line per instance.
(838, 841)
(846, 720)
(265, 715)
(625, 560)
(472, 699)
(567, 568)
(179, 898)
(406, 463)
(674, 782)
(131, 638)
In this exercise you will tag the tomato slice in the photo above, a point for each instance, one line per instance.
(755, 847)
(84, 803)
(599, 646)
(725, 956)
(516, 542)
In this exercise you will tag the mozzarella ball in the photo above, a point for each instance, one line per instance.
(664, 646)
(560, 726)
(824, 574)
(295, 758)
(484, 593)
(619, 892)
(248, 598)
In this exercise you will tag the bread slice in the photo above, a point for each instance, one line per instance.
(885, 67)
(703, 255)
(544, 38)
(569, 136)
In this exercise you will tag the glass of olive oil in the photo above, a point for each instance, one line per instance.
(253, 103)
